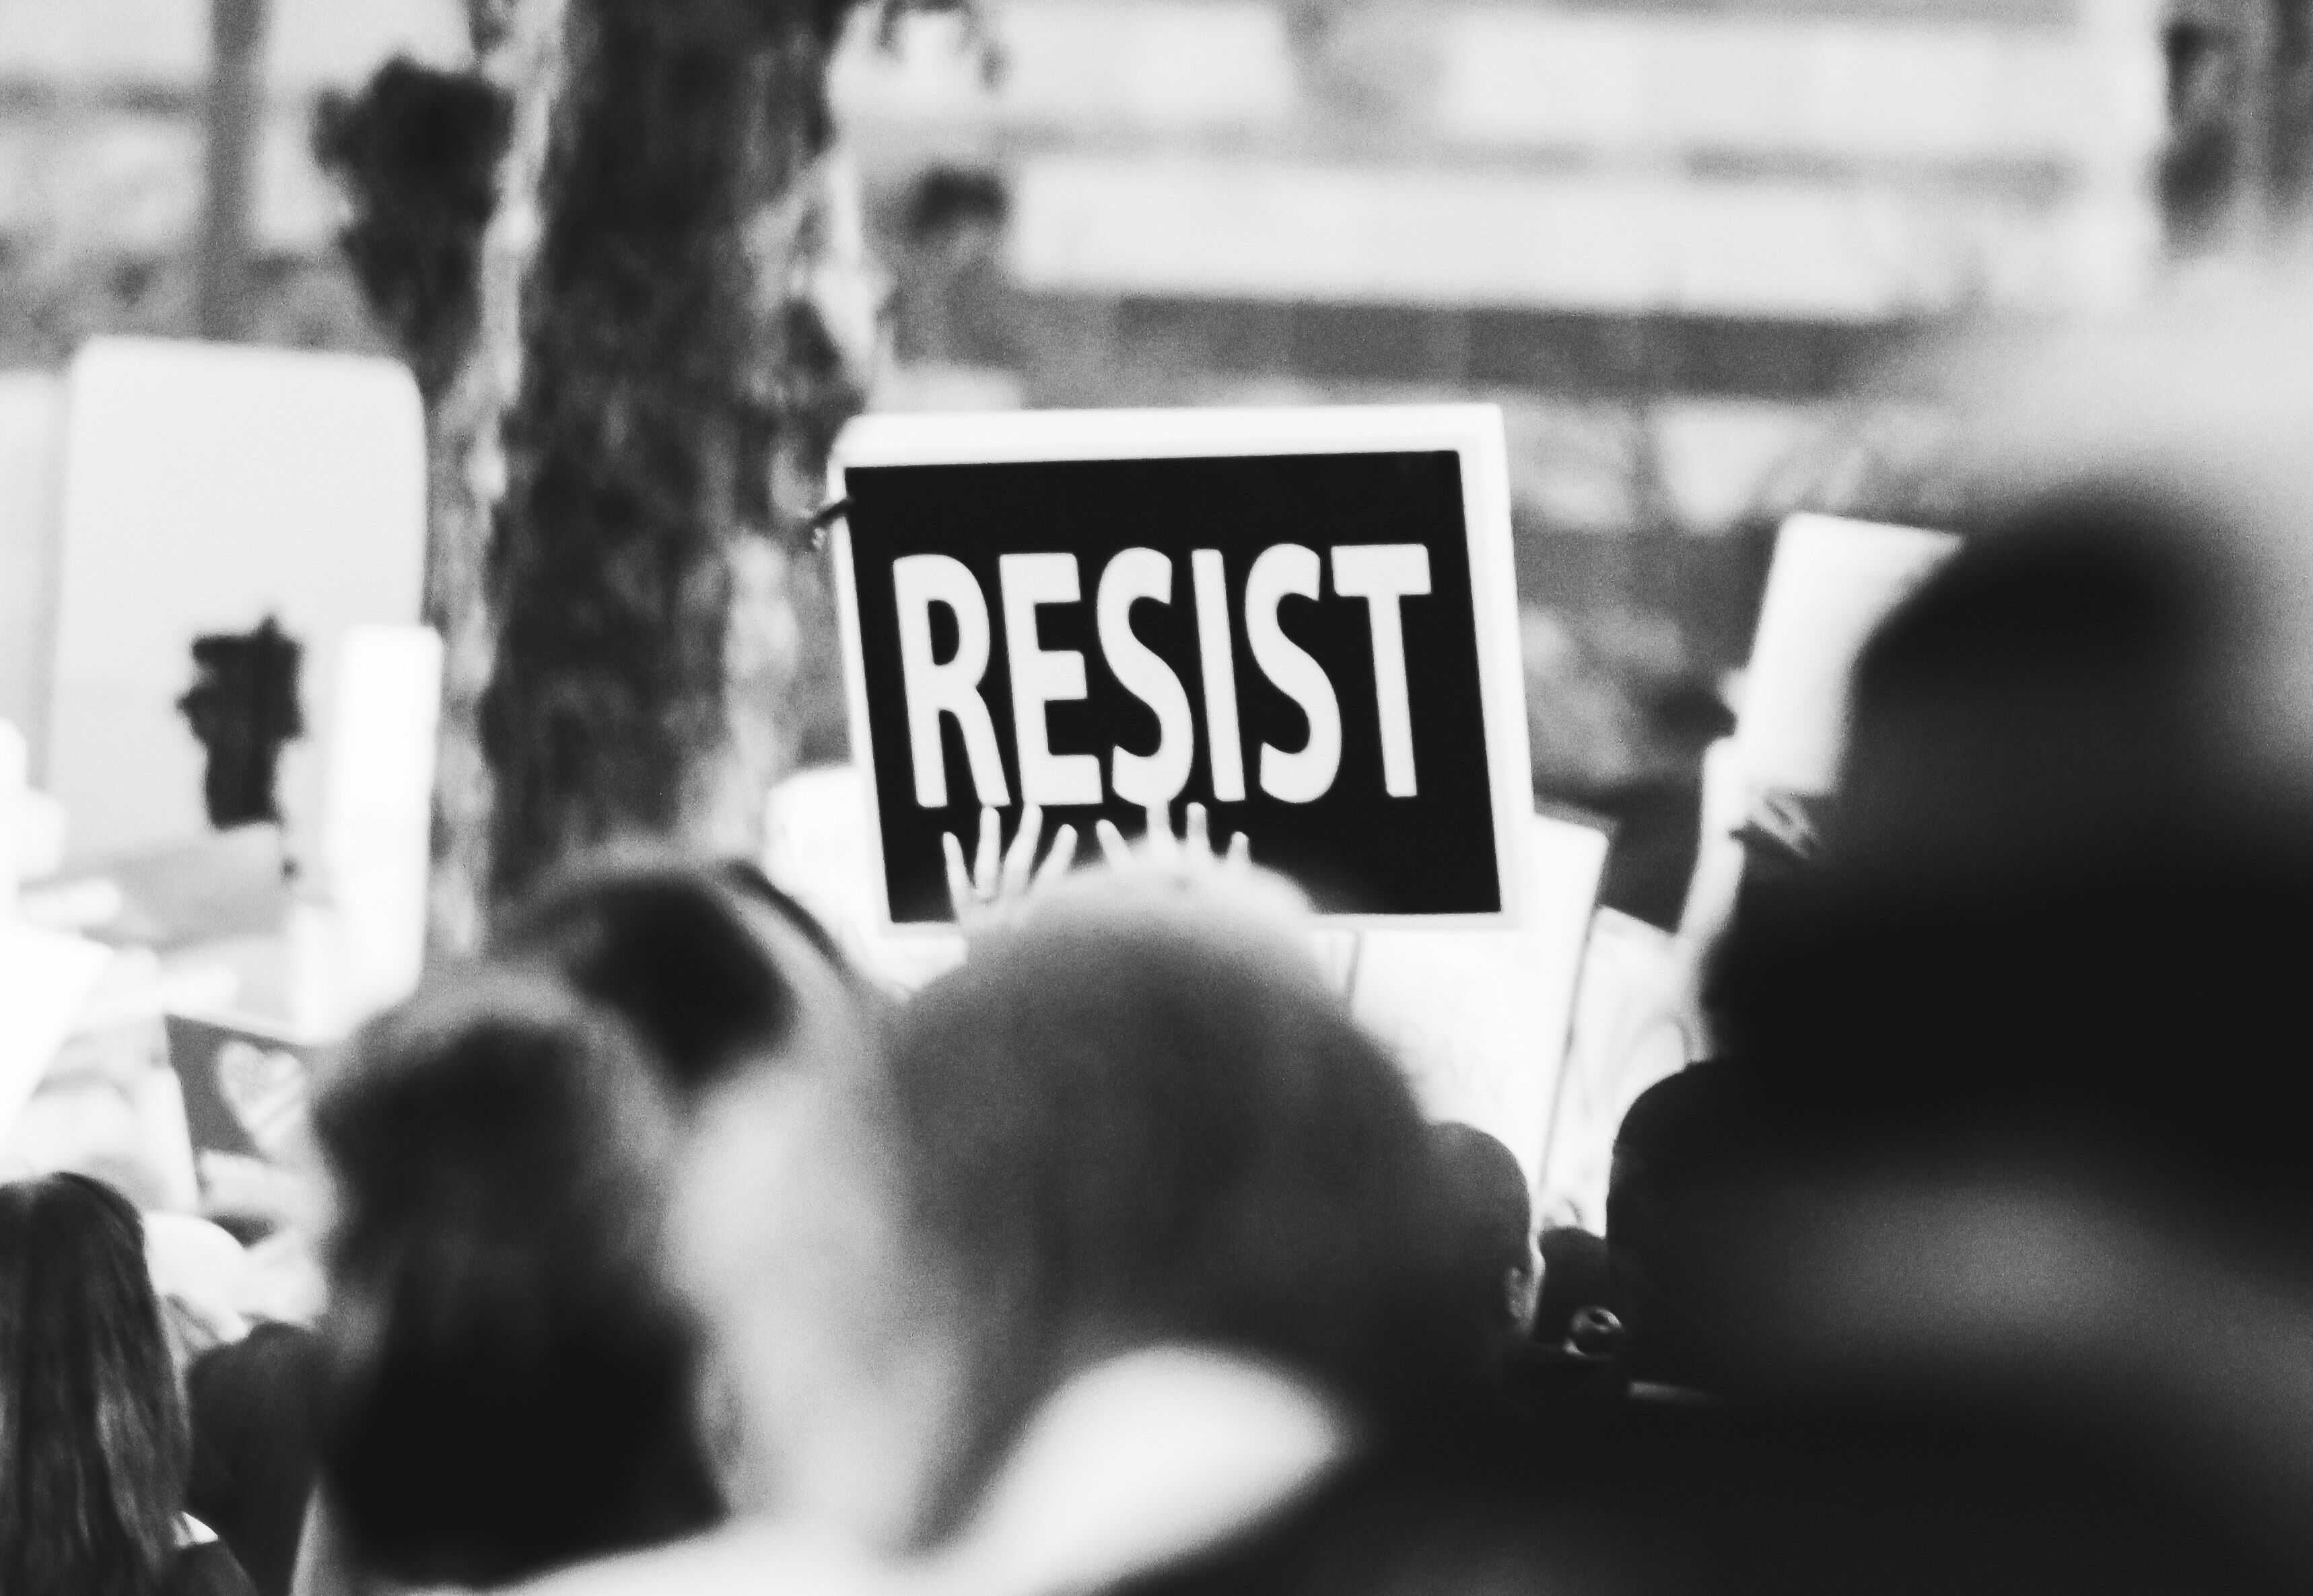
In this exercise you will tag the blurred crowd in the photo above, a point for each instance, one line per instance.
(667, 1251)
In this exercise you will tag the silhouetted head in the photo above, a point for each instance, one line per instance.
(1137, 1118)
(1143, 1117)
(509, 1387)
(1490, 1238)
(92, 1444)
(1691, 1200)
(714, 966)
(2055, 882)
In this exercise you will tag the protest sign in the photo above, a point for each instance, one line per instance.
(245, 1084)
(1479, 1019)
(1831, 583)
(31, 458)
(1304, 619)
(45, 979)
(1634, 1024)
(816, 847)
(229, 514)
(13, 758)
(376, 836)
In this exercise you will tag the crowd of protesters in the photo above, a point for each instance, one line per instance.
(667, 1252)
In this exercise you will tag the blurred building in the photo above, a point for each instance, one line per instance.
(1669, 236)
(103, 154)
(1666, 234)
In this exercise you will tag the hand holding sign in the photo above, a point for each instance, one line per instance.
(1305, 618)
(991, 893)
(1191, 853)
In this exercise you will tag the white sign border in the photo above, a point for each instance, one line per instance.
(1473, 432)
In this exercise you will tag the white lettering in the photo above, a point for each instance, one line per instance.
(1041, 676)
(1383, 573)
(919, 582)
(1224, 742)
(1152, 779)
(1288, 568)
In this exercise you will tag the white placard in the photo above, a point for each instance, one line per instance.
(377, 825)
(1480, 1018)
(13, 758)
(31, 460)
(816, 847)
(45, 979)
(1833, 583)
(207, 488)
(1633, 1026)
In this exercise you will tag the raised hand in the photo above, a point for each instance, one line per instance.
(994, 890)
(1191, 853)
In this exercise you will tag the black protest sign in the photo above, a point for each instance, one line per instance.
(1293, 639)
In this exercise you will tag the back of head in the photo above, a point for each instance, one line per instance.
(2056, 693)
(1141, 1118)
(1490, 1218)
(508, 1387)
(2057, 876)
(1691, 1198)
(92, 1449)
(679, 950)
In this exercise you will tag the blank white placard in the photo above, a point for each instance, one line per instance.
(207, 487)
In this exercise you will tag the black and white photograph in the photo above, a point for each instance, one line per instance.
(1155, 797)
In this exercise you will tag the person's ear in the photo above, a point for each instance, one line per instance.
(1522, 1291)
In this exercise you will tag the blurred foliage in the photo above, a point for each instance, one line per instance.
(416, 152)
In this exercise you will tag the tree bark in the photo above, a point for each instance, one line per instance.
(665, 372)
(519, 44)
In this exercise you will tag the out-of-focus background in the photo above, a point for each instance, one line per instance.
(1679, 242)
(1718, 262)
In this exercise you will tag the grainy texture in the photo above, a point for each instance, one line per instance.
(656, 331)
(628, 273)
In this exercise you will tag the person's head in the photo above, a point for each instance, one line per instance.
(2065, 878)
(93, 1443)
(2050, 854)
(1490, 1241)
(716, 967)
(1139, 1117)
(509, 1387)
(1689, 1201)
(744, 1001)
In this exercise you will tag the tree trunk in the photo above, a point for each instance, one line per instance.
(657, 400)
(520, 47)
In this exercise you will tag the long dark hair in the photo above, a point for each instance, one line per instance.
(92, 1441)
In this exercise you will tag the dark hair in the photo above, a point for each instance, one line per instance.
(664, 942)
(2052, 692)
(1490, 1218)
(92, 1445)
(2058, 877)
(1693, 1196)
(945, 198)
(1117, 1132)
(509, 1388)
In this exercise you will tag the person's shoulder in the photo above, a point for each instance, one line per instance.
(205, 1568)
(273, 1360)
(741, 1559)
(1432, 1511)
